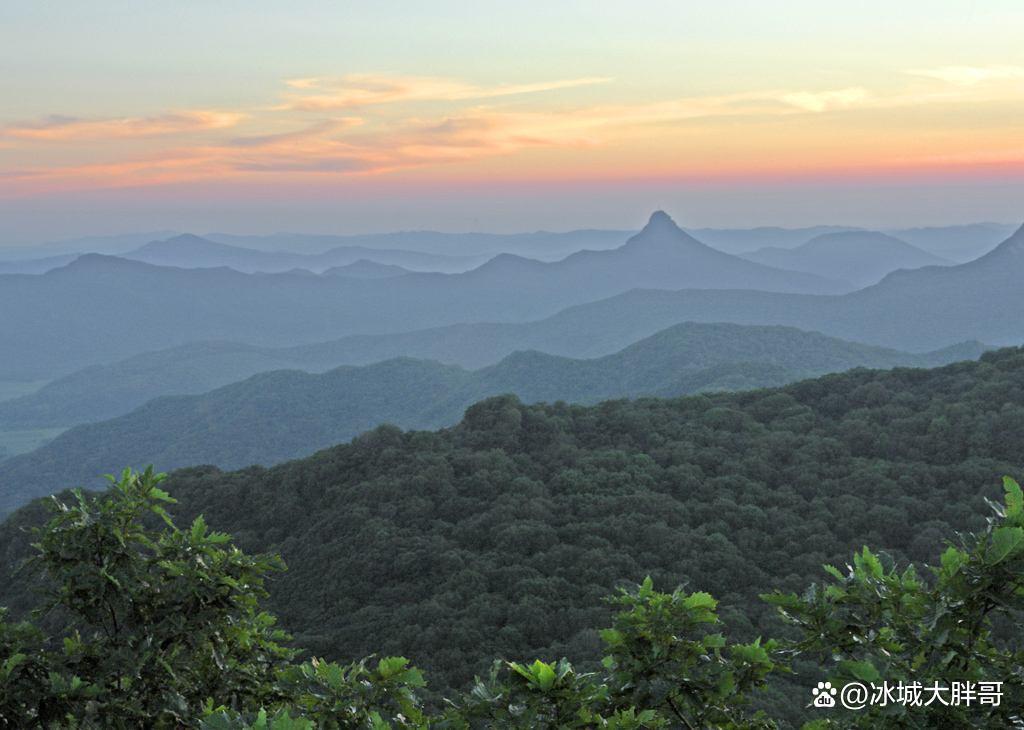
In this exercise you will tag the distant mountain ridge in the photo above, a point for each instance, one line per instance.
(958, 243)
(283, 414)
(744, 240)
(545, 245)
(188, 251)
(662, 255)
(861, 257)
(974, 301)
(366, 269)
(82, 314)
(100, 392)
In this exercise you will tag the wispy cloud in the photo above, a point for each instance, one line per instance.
(66, 128)
(821, 101)
(311, 133)
(320, 129)
(971, 75)
(357, 90)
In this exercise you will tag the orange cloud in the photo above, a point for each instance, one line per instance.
(63, 128)
(817, 128)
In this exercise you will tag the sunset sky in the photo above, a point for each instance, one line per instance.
(257, 116)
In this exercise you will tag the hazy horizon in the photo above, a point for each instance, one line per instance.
(211, 224)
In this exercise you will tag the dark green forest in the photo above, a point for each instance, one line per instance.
(501, 536)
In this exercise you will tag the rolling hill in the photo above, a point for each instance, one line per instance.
(367, 269)
(284, 414)
(102, 309)
(861, 257)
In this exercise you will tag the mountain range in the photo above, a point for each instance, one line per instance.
(101, 309)
(541, 244)
(192, 252)
(544, 245)
(284, 414)
(957, 243)
(104, 391)
(978, 300)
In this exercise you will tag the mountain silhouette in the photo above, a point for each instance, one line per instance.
(101, 309)
(189, 251)
(663, 256)
(861, 257)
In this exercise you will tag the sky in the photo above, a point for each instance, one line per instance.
(254, 116)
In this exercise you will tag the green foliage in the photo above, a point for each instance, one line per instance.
(156, 618)
(539, 694)
(28, 688)
(661, 655)
(364, 694)
(877, 623)
(162, 628)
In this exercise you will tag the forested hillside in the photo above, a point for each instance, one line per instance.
(499, 537)
(286, 414)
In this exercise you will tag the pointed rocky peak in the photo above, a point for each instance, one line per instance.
(661, 219)
(661, 231)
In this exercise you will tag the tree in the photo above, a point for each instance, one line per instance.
(157, 620)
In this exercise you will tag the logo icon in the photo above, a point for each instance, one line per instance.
(824, 695)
